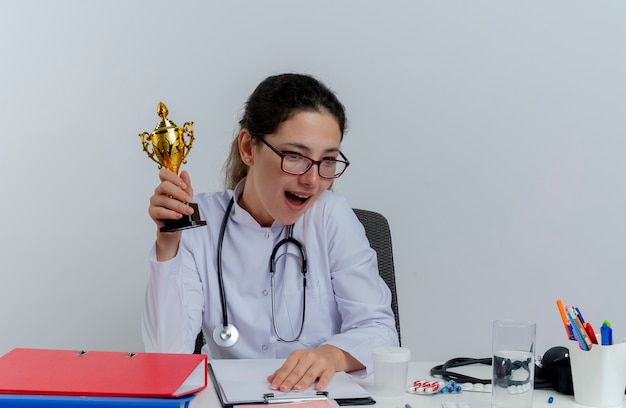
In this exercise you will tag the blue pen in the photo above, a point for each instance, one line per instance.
(580, 315)
(607, 333)
(579, 332)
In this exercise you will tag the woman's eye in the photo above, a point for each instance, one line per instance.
(292, 157)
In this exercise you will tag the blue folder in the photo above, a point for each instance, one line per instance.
(61, 401)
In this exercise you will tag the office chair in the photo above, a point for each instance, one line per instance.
(379, 235)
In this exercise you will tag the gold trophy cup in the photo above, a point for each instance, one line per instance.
(168, 146)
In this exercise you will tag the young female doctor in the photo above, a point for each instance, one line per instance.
(283, 268)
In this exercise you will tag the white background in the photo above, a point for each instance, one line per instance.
(492, 135)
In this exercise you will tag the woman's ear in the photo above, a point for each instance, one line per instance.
(245, 146)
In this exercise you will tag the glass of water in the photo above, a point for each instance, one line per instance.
(513, 364)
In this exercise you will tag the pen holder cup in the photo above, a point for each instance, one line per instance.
(598, 375)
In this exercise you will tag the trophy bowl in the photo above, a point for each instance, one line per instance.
(168, 145)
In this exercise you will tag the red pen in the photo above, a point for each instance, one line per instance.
(591, 333)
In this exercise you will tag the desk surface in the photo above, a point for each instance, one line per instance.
(417, 371)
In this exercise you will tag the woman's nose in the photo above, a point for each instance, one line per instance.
(311, 176)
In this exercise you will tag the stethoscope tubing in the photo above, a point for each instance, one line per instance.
(220, 276)
(226, 335)
(284, 241)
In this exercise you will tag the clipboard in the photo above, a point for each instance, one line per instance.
(242, 382)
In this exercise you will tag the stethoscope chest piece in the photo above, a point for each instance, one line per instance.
(225, 336)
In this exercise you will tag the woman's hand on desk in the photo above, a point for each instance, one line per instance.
(303, 367)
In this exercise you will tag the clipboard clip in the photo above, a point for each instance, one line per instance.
(271, 398)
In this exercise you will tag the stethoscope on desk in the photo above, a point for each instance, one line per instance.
(226, 335)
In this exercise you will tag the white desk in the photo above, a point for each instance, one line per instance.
(208, 397)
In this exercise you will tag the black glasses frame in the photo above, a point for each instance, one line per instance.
(318, 162)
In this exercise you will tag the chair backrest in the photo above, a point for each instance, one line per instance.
(379, 235)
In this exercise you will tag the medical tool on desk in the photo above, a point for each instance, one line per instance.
(226, 335)
(443, 370)
(553, 372)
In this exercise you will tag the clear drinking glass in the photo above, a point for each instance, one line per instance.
(513, 364)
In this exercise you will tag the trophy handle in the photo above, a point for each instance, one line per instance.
(147, 147)
(187, 139)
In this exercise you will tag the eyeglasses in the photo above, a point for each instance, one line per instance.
(297, 164)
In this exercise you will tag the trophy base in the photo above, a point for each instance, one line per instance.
(186, 222)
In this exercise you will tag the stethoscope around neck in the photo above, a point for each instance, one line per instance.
(226, 334)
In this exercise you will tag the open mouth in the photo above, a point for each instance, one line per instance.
(296, 198)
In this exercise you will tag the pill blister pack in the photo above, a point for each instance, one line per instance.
(428, 387)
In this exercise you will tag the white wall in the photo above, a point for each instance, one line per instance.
(492, 135)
